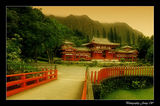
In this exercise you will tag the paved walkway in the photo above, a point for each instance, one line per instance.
(68, 86)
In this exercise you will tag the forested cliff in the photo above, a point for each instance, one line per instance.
(31, 34)
(116, 32)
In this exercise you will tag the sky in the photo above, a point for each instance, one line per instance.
(140, 18)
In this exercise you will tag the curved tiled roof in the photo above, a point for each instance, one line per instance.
(68, 42)
(126, 47)
(82, 48)
(124, 51)
(102, 41)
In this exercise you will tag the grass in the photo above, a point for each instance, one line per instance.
(138, 94)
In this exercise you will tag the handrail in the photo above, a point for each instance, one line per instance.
(110, 72)
(84, 93)
(43, 77)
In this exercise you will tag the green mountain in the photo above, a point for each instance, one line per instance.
(115, 32)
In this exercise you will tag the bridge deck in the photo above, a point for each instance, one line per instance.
(68, 86)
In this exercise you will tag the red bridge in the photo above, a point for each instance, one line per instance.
(29, 80)
(111, 72)
(83, 88)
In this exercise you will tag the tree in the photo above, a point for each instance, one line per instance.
(98, 35)
(145, 48)
(12, 23)
(13, 53)
(149, 55)
(13, 49)
(128, 38)
(104, 33)
(110, 35)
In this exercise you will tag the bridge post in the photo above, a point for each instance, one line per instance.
(151, 69)
(51, 73)
(91, 76)
(140, 70)
(130, 69)
(148, 71)
(46, 75)
(135, 71)
(123, 71)
(98, 78)
(55, 72)
(95, 77)
(111, 72)
(23, 77)
(115, 71)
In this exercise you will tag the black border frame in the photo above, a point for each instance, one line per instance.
(154, 3)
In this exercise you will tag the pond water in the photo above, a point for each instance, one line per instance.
(138, 94)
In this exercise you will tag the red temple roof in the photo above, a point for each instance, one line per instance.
(82, 48)
(101, 41)
(130, 51)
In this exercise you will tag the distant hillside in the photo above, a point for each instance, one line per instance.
(115, 32)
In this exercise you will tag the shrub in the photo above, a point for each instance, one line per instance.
(122, 60)
(109, 85)
(58, 62)
(135, 84)
(42, 59)
(81, 59)
(94, 63)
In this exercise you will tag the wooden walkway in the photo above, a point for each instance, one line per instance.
(68, 86)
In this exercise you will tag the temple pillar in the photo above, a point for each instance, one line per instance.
(64, 57)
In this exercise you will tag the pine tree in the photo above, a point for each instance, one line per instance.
(104, 33)
(111, 35)
(114, 35)
(128, 38)
(98, 35)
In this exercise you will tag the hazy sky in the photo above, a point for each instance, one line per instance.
(140, 18)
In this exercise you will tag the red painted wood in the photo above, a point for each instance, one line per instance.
(95, 77)
(98, 77)
(135, 70)
(91, 76)
(115, 72)
(23, 81)
(140, 70)
(84, 93)
(128, 71)
(121, 71)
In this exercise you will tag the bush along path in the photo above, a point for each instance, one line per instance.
(126, 83)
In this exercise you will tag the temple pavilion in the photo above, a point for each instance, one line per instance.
(97, 49)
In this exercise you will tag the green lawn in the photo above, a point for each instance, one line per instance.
(139, 94)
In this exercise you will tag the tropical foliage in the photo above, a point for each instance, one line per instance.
(32, 35)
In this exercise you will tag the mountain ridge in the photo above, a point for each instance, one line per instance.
(115, 32)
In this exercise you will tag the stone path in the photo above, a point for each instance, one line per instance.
(68, 86)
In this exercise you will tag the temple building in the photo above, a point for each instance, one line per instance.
(97, 49)
(127, 53)
(72, 53)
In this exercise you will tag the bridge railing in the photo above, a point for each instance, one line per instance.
(26, 81)
(87, 93)
(110, 72)
(84, 93)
